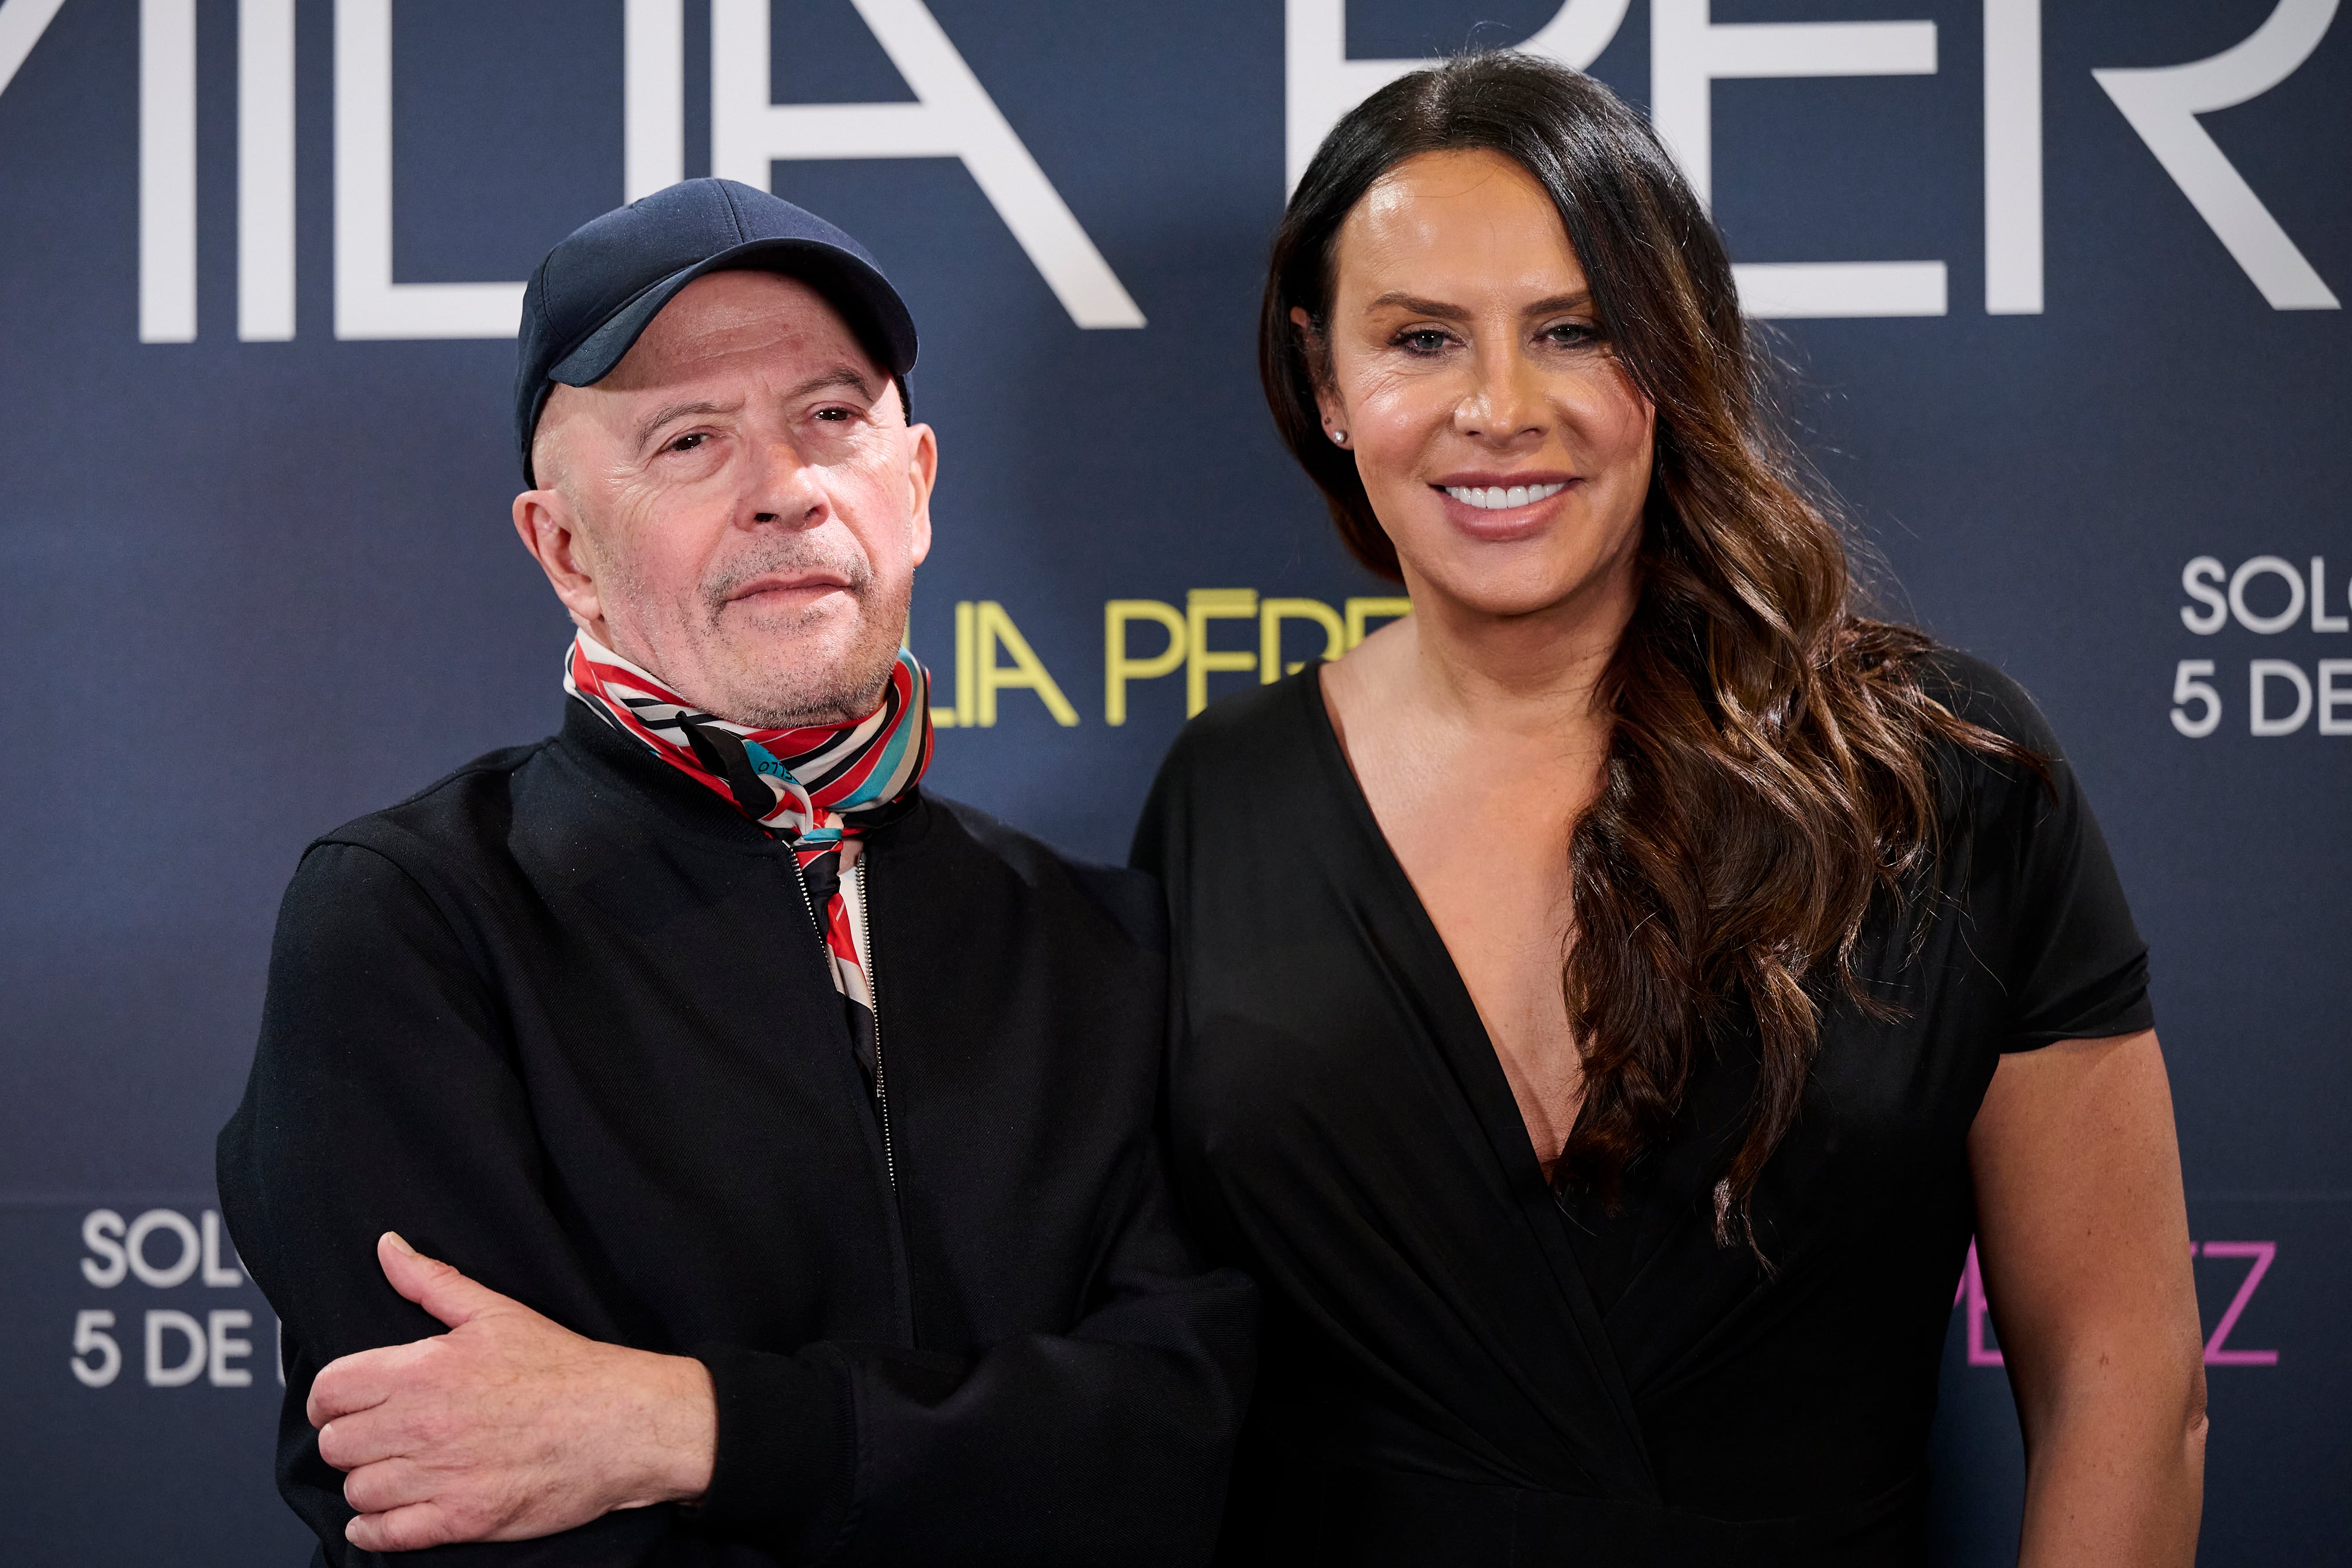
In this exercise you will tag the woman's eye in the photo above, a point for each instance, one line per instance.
(1428, 340)
(689, 441)
(1572, 334)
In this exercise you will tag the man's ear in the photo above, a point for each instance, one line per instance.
(1317, 354)
(550, 529)
(922, 475)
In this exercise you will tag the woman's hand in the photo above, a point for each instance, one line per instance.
(2083, 1237)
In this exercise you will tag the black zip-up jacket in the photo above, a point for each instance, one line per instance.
(562, 1021)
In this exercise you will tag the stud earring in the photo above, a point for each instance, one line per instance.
(1339, 438)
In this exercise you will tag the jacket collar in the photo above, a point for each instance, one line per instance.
(625, 775)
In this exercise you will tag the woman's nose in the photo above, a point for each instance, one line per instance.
(1507, 402)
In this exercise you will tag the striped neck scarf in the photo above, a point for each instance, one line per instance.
(816, 789)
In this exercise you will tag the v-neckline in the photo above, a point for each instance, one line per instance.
(1477, 1067)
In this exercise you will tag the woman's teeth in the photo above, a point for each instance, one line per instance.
(1496, 498)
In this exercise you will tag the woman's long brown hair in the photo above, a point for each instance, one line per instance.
(1770, 773)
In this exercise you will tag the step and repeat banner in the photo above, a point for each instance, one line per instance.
(2060, 287)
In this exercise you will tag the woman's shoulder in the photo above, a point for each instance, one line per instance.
(1981, 785)
(2021, 793)
(1988, 696)
(1232, 771)
(1262, 731)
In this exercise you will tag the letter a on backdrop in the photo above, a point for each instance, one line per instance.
(952, 117)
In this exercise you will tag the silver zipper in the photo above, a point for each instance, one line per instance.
(800, 880)
(873, 1001)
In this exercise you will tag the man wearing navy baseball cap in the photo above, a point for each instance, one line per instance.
(686, 1139)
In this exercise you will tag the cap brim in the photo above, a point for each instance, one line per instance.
(864, 297)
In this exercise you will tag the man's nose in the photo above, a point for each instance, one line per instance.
(782, 488)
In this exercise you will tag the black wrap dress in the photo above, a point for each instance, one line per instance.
(1459, 1368)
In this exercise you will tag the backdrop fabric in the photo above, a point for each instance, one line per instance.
(2058, 288)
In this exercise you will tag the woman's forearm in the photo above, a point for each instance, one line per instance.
(2116, 1479)
(2083, 1237)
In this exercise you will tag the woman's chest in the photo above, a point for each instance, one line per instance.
(1493, 879)
(1326, 1028)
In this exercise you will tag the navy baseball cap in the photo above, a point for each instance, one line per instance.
(598, 291)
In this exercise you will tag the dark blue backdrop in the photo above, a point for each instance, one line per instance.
(252, 587)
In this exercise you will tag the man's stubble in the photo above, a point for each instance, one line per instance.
(825, 683)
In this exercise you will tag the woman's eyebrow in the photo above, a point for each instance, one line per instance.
(1416, 305)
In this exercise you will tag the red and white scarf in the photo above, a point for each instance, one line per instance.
(816, 787)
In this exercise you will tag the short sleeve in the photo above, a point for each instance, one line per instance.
(2074, 964)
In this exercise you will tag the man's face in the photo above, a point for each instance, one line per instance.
(741, 506)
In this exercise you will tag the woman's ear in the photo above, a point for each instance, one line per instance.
(1317, 354)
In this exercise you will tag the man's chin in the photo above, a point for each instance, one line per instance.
(820, 676)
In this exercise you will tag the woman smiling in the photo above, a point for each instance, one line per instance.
(1611, 997)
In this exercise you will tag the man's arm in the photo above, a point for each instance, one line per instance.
(553, 1429)
(384, 1097)
(1109, 1443)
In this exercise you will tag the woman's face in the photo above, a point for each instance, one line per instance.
(1504, 448)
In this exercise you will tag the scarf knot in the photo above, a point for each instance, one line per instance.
(815, 788)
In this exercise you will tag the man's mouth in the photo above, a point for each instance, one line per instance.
(794, 584)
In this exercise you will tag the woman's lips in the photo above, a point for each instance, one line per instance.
(1496, 510)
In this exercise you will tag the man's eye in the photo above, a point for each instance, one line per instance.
(833, 416)
(689, 441)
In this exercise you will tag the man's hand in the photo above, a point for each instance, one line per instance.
(507, 1428)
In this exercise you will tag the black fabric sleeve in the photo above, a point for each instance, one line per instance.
(1108, 1444)
(385, 1096)
(2081, 968)
(2076, 966)
(382, 1098)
